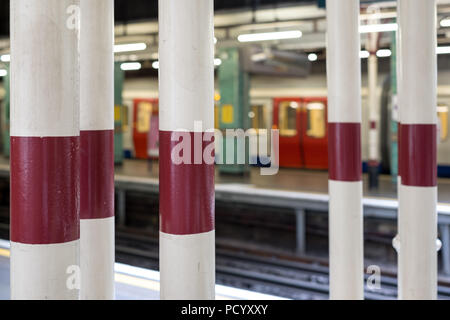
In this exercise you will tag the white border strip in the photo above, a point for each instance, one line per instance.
(252, 190)
(153, 275)
(5, 244)
(240, 294)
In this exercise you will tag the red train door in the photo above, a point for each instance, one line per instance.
(314, 133)
(142, 113)
(287, 118)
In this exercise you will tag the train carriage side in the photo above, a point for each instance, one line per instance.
(145, 120)
(314, 133)
(287, 118)
(443, 141)
(303, 132)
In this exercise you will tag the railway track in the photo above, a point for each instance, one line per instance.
(260, 272)
(135, 248)
(254, 269)
(251, 267)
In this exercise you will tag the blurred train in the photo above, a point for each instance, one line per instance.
(303, 130)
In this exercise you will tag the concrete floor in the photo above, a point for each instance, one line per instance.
(309, 181)
(132, 283)
(127, 287)
(286, 179)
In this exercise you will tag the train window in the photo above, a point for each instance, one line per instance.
(316, 120)
(125, 118)
(258, 117)
(118, 124)
(227, 114)
(288, 118)
(216, 110)
(443, 122)
(216, 116)
(143, 116)
(117, 113)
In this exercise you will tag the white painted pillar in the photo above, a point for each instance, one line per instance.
(186, 86)
(45, 149)
(97, 149)
(374, 104)
(417, 220)
(344, 153)
(374, 153)
(396, 240)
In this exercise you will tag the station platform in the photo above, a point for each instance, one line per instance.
(291, 180)
(301, 191)
(298, 180)
(132, 283)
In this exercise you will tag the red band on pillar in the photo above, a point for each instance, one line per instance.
(44, 189)
(186, 191)
(418, 155)
(97, 174)
(344, 149)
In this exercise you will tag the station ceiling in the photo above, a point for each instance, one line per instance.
(136, 22)
(135, 10)
(141, 10)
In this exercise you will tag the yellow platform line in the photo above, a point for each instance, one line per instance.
(4, 252)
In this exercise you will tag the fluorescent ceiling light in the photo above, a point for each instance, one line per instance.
(5, 58)
(371, 28)
(384, 53)
(443, 50)
(364, 54)
(130, 47)
(294, 34)
(127, 66)
(3, 72)
(217, 62)
(312, 57)
(445, 22)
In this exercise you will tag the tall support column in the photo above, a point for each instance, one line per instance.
(5, 124)
(119, 77)
(374, 122)
(374, 105)
(417, 219)
(394, 124)
(396, 240)
(344, 153)
(45, 189)
(186, 150)
(234, 107)
(97, 149)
